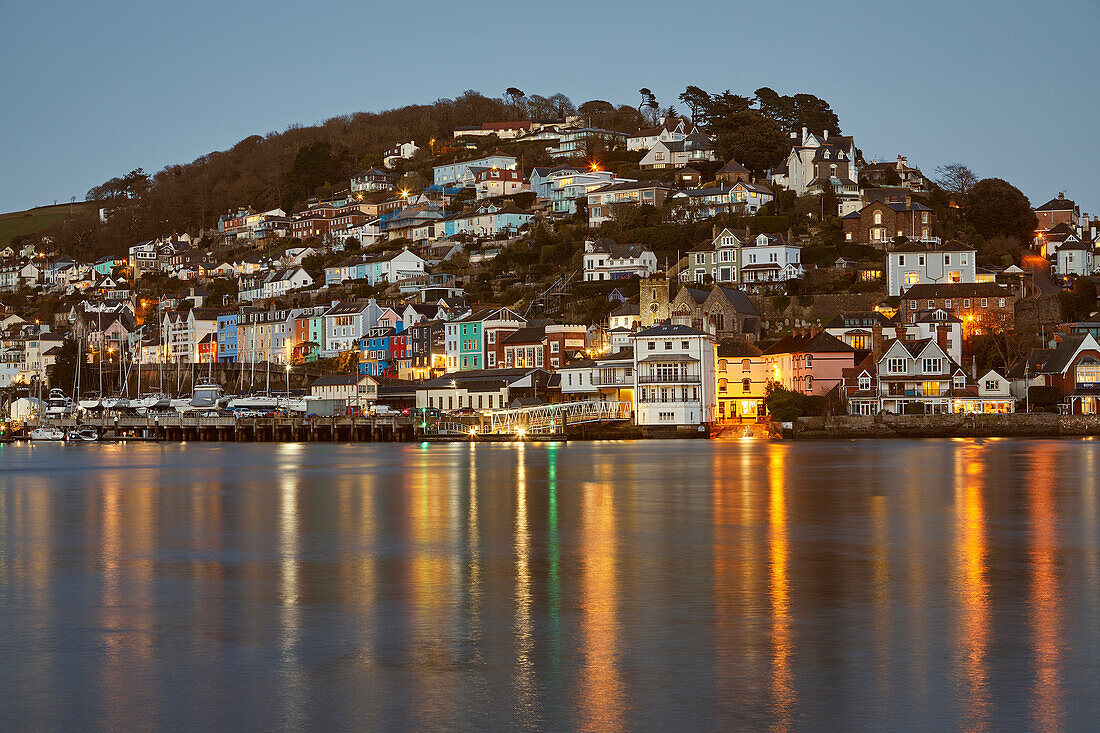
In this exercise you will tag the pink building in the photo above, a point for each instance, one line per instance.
(811, 363)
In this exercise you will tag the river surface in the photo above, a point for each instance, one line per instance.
(660, 585)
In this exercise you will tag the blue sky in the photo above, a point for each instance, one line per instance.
(93, 90)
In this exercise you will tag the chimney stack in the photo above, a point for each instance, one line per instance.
(876, 343)
(826, 136)
(941, 336)
(804, 135)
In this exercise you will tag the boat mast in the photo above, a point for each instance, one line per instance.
(99, 319)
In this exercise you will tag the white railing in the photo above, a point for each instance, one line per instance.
(548, 418)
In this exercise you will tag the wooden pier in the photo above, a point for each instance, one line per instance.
(225, 428)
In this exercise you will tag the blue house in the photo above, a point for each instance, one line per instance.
(374, 351)
(227, 337)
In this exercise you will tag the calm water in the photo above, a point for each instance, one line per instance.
(653, 585)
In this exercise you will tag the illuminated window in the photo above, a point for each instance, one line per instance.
(930, 389)
(1088, 373)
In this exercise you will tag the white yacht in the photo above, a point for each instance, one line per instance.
(152, 402)
(91, 401)
(208, 395)
(260, 402)
(293, 404)
(59, 405)
(116, 402)
(47, 434)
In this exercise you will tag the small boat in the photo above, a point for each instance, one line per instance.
(47, 434)
(91, 401)
(85, 434)
(59, 405)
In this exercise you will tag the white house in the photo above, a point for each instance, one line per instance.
(346, 323)
(912, 264)
(606, 260)
(815, 158)
(281, 282)
(674, 376)
(401, 151)
(678, 153)
(669, 129)
(606, 378)
(1076, 258)
(770, 258)
(921, 373)
(356, 390)
(482, 389)
(942, 326)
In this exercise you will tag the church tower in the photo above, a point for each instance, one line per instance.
(653, 300)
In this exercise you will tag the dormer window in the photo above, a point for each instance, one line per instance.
(864, 383)
(959, 382)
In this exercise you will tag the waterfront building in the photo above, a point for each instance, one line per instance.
(810, 362)
(482, 389)
(604, 378)
(741, 381)
(471, 341)
(674, 368)
(929, 263)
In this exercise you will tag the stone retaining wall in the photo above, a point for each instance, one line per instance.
(1036, 424)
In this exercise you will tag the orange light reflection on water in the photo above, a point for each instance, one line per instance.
(972, 587)
(779, 588)
(1045, 603)
(601, 685)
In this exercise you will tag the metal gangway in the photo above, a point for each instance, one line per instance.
(554, 417)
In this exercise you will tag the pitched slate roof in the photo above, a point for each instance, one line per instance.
(864, 319)
(808, 343)
(738, 300)
(334, 380)
(668, 329)
(733, 167)
(526, 335)
(1060, 359)
(932, 291)
(950, 246)
(1058, 203)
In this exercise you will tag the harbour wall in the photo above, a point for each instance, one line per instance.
(1035, 424)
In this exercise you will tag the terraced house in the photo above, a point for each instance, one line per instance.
(470, 342)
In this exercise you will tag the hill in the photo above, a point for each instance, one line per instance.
(21, 223)
(284, 169)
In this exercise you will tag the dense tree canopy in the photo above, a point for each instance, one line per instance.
(753, 140)
(995, 207)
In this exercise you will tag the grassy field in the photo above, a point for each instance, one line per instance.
(18, 223)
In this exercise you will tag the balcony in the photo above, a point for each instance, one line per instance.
(670, 401)
(669, 379)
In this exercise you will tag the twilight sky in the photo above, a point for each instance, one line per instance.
(93, 90)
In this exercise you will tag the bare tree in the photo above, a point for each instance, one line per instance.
(955, 178)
